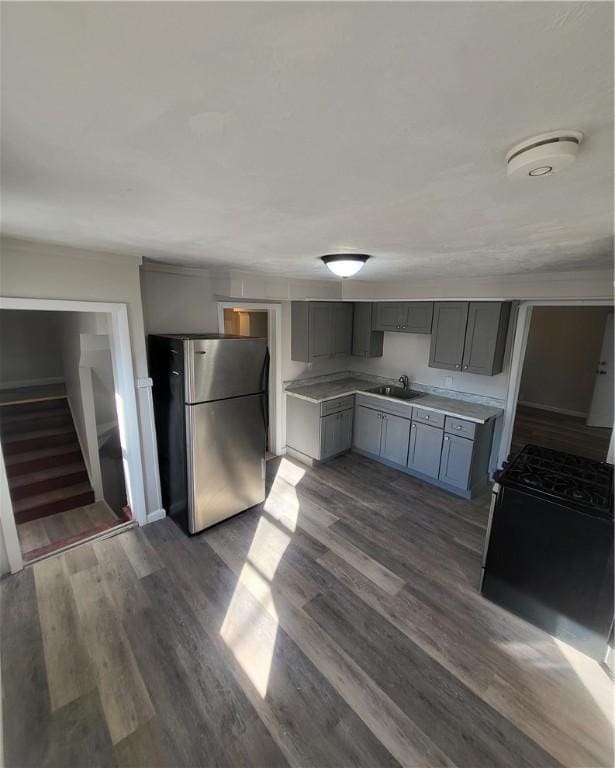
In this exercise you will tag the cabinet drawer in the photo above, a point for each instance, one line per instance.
(460, 427)
(433, 418)
(339, 404)
(395, 408)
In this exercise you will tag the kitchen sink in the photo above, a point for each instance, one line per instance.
(392, 391)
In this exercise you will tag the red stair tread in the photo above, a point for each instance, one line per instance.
(47, 473)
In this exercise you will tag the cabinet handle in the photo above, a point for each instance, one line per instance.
(457, 366)
(458, 427)
(426, 417)
(446, 438)
(412, 426)
(464, 367)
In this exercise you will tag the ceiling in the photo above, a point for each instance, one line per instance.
(262, 135)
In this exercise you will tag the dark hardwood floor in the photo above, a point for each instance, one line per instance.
(338, 624)
(560, 432)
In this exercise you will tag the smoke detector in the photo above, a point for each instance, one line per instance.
(543, 154)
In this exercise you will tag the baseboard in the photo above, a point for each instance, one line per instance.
(22, 383)
(553, 409)
(157, 514)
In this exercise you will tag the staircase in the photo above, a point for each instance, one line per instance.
(44, 465)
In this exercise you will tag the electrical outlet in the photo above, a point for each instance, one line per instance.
(448, 382)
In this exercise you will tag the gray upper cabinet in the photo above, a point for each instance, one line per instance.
(403, 316)
(390, 316)
(320, 329)
(419, 317)
(450, 319)
(486, 337)
(425, 449)
(342, 329)
(394, 439)
(469, 336)
(365, 341)
(456, 461)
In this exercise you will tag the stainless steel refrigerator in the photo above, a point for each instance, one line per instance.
(210, 407)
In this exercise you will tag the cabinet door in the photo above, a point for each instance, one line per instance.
(450, 319)
(329, 428)
(320, 330)
(390, 316)
(342, 329)
(425, 449)
(367, 429)
(485, 337)
(344, 433)
(419, 316)
(456, 461)
(365, 341)
(395, 436)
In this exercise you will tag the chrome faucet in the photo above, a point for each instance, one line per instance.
(405, 383)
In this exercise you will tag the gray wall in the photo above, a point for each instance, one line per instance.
(29, 347)
(563, 348)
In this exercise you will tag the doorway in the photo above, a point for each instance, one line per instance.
(565, 381)
(263, 321)
(70, 465)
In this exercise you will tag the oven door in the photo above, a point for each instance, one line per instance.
(552, 566)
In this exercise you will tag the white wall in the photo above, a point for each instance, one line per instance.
(409, 354)
(563, 348)
(178, 302)
(29, 348)
(581, 284)
(41, 270)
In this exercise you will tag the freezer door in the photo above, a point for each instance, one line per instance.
(226, 458)
(220, 368)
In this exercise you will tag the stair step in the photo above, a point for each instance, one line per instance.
(65, 439)
(53, 501)
(31, 424)
(48, 479)
(15, 410)
(24, 457)
(38, 434)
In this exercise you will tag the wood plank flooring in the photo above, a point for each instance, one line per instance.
(338, 624)
(560, 432)
(63, 525)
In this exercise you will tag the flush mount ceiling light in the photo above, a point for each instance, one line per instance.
(345, 264)
(543, 154)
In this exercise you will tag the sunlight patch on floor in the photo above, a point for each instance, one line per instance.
(593, 677)
(250, 625)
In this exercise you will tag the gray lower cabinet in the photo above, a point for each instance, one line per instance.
(394, 438)
(425, 449)
(320, 329)
(456, 461)
(335, 434)
(366, 342)
(367, 429)
(318, 431)
(381, 434)
(469, 336)
(403, 316)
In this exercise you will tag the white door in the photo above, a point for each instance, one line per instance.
(601, 409)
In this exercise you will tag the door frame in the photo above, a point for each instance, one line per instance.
(524, 316)
(274, 342)
(126, 403)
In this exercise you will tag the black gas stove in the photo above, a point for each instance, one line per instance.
(581, 483)
(549, 549)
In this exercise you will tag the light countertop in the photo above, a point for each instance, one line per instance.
(352, 385)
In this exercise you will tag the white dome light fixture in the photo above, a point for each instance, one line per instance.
(544, 154)
(345, 264)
